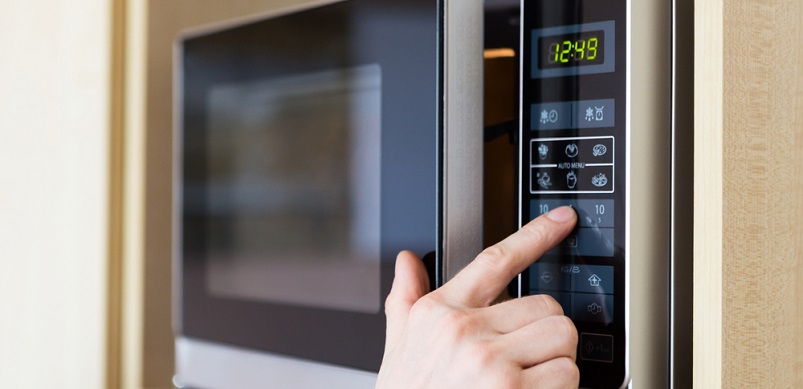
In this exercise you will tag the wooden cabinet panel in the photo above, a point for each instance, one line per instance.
(749, 186)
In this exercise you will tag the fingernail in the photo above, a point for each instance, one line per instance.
(561, 215)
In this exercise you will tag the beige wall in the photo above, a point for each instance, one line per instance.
(749, 194)
(54, 199)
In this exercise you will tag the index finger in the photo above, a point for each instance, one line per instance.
(484, 278)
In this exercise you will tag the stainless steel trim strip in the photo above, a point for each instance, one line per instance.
(521, 131)
(463, 136)
(629, 146)
(213, 365)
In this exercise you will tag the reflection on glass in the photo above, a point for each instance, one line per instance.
(292, 190)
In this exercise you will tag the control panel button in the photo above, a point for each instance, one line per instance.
(595, 113)
(592, 308)
(596, 347)
(584, 307)
(589, 151)
(552, 116)
(593, 279)
(597, 151)
(592, 242)
(587, 179)
(564, 115)
(596, 178)
(572, 165)
(590, 213)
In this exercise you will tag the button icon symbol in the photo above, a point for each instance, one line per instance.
(599, 150)
(589, 347)
(596, 347)
(543, 180)
(589, 114)
(594, 280)
(599, 115)
(543, 150)
(546, 277)
(599, 180)
(596, 114)
(572, 150)
(549, 116)
(571, 180)
(594, 308)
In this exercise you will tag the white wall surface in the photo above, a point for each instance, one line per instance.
(54, 116)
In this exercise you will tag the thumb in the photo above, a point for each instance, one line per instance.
(410, 283)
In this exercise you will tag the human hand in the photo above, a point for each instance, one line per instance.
(454, 338)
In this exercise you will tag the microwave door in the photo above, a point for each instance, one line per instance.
(312, 146)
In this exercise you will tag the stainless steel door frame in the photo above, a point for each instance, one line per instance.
(662, 181)
(461, 226)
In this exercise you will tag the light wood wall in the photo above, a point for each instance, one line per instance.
(749, 194)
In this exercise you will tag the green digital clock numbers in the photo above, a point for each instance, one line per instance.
(569, 50)
(577, 50)
(572, 50)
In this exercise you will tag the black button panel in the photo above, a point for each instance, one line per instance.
(596, 347)
(572, 165)
(574, 151)
(584, 307)
(572, 278)
(588, 150)
(591, 213)
(584, 291)
(595, 221)
(564, 115)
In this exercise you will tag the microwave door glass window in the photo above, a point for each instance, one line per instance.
(291, 200)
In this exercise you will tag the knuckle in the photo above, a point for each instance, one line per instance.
(495, 258)
(485, 353)
(536, 231)
(568, 370)
(509, 378)
(390, 303)
(548, 305)
(423, 307)
(565, 330)
(389, 306)
(457, 324)
(494, 255)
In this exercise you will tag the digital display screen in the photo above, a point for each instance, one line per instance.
(587, 48)
(573, 50)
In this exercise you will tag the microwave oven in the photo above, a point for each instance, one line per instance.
(314, 144)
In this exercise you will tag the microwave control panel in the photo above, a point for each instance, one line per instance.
(574, 140)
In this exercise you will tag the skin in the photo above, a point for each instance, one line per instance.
(455, 337)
